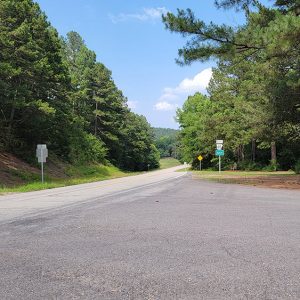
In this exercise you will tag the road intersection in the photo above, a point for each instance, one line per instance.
(162, 235)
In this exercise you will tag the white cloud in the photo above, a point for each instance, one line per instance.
(147, 14)
(132, 104)
(186, 87)
(165, 106)
(198, 83)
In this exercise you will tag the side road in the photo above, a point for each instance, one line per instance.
(16, 205)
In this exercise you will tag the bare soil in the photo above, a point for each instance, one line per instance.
(13, 171)
(273, 181)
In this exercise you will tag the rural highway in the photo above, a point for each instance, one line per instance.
(159, 235)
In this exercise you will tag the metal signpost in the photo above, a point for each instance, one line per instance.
(42, 154)
(200, 158)
(219, 152)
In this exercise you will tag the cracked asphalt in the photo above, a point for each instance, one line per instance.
(179, 239)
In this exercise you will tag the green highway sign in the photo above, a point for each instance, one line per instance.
(219, 153)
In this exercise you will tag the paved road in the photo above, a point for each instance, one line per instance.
(18, 205)
(177, 239)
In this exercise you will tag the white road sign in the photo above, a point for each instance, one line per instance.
(41, 153)
(219, 146)
(219, 142)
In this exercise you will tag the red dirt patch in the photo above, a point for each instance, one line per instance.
(11, 167)
(275, 181)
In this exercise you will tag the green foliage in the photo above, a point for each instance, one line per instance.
(273, 166)
(33, 79)
(166, 141)
(88, 171)
(54, 91)
(162, 132)
(138, 149)
(153, 157)
(86, 148)
(297, 167)
(249, 165)
(253, 98)
(25, 176)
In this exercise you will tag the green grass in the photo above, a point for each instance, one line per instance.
(230, 174)
(246, 177)
(169, 162)
(77, 175)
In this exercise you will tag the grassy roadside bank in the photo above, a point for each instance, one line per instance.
(28, 179)
(280, 179)
(168, 162)
(74, 175)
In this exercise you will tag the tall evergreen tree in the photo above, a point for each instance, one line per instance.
(33, 80)
(270, 42)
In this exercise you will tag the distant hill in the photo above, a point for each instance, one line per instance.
(160, 132)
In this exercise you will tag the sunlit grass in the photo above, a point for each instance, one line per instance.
(230, 174)
(279, 179)
(77, 175)
(169, 162)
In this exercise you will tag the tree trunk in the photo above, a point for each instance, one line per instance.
(253, 150)
(96, 118)
(12, 115)
(273, 151)
(240, 153)
(237, 151)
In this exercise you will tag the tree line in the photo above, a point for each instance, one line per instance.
(253, 100)
(54, 91)
(166, 142)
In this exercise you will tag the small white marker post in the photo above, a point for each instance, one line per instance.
(42, 154)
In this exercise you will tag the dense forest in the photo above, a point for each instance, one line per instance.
(166, 142)
(253, 100)
(54, 91)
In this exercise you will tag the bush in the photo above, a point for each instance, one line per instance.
(272, 167)
(153, 157)
(86, 148)
(297, 167)
(249, 165)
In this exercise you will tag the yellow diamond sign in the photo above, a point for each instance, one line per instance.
(200, 157)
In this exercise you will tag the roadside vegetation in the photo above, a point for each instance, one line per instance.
(166, 142)
(28, 179)
(54, 91)
(253, 100)
(73, 175)
(169, 162)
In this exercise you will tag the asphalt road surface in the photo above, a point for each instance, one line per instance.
(161, 235)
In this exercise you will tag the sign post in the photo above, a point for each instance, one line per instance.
(219, 152)
(42, 154)
(200, 158)
(185, 165)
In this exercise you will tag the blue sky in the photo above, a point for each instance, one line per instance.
(130, 39)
